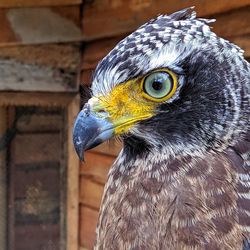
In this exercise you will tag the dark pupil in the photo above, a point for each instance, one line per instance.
(157, 85)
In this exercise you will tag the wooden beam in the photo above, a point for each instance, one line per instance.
(35, 99)
(40, 25)
(112, 18)
(18, 76)
(32, 3)
(63, 56)
(3, 182)
(72, 216)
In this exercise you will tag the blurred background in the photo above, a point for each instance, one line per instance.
(48, 51)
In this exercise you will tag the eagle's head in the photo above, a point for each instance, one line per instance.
(171, 85)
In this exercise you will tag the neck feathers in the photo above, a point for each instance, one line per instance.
(153, 202)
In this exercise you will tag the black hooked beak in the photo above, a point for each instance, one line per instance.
(90, 129)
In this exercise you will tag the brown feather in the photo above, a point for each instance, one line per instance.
(183, 203)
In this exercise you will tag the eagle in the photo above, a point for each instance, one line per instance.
(178, 97)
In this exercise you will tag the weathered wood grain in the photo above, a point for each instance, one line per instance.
(110, 18)
(35, 99)
(16, 76)
(88, 221)
(32, 3)
(72, 161)
(39, 25)
(63, 56)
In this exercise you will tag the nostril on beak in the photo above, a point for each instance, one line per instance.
(86, 110)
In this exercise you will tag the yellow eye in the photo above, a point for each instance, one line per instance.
(159, 85)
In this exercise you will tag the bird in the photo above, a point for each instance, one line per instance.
(177, 95)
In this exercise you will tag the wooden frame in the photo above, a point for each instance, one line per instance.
(3, 184)
(71, 104)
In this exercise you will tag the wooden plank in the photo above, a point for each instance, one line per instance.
(88, 222)
(40, 25)
(3, 182)
(62, 56)
(35, 148)
(16, 76)
(96, 50)
(32, 3)
(40, 122)
(110, 18)
(35, 99)
(11, 185)
(243, 42)
(96, 167)
(40, 183)
(90, 193)
(235, 23)
(72, 206)
(41, 236)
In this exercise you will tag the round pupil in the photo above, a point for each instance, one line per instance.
(156, 85)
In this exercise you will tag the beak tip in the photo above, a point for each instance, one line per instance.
(89, 131)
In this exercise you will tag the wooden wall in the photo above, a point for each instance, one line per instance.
(40, 54)
(40, 45)
(37, 183)
(105, 23)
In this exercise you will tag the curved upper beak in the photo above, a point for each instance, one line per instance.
(90, 129)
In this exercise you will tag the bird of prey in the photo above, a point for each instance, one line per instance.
(178, 96)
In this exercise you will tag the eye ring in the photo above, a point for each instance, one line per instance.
(159, 85)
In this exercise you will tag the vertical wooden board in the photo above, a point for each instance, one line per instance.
(90, 193)
(110, 18)
(3, 180)
(88, 222)
(72, 206)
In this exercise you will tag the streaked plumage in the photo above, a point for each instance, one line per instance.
(182, 180)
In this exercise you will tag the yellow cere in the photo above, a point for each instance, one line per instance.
(126, 104)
